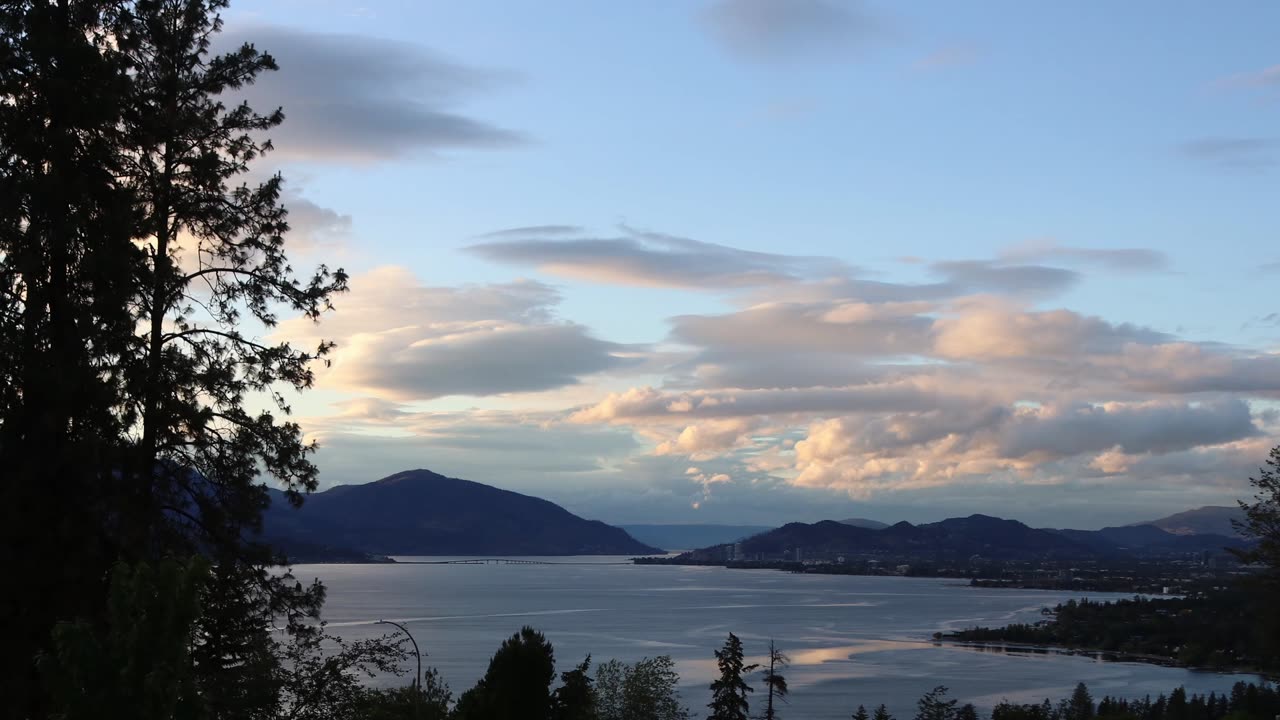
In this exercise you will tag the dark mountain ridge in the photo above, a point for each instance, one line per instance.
(1207, 520)
(419, 512)
(1151, 541)
(959, 538)
(864, 522)
(953, 538)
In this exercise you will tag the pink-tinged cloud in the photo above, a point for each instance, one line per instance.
(399, 340)
(988, 329)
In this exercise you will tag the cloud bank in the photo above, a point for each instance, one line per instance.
(815, 381)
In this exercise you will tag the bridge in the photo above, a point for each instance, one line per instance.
(505, 561)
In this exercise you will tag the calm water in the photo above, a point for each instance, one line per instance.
(851, 639)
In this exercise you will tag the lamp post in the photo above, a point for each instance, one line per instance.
(417, 679)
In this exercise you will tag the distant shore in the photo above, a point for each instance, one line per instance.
(1083, 585)
(1104, 655)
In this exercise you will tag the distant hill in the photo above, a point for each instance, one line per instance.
(419, 512)
(983, 535)
(1208, 520)
(1151, 541)
(961, 538)
(687, 537)
(865, 523)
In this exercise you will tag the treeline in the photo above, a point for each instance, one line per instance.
(1218, 630)
(1245, 701)
(520, 684)
(1235, 627)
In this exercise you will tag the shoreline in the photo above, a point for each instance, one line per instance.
(1101, 655)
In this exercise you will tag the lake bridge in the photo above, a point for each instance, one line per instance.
(504, 561)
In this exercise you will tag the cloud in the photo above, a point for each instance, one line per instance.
(987, 329)
(428, 361)
(1049, 444)
(773, 30)
(1266, 79)
(652, 259)
(518, 451)
(853, 328)
(989, 276)
(1125, 259)
(1183, 368)
(947, 57)
(356, 98)
(1132, 428)
(400, 340)
(916, 394)
(708, 439)
(1238, 154)
(815, 387)
(534, 231)
(313, 226)
(764, 368)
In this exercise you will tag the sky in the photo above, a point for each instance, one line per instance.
(760, 261)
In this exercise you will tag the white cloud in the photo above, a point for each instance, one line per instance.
(400, 340)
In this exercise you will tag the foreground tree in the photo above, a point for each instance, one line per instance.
(517, 685)
(575, 699)
(141, 668)
(645, 690)
(137, 271)
(933, 705)
(1261, 521)
(774, 680)
(1080, 705)
(729, 691)
(66, 274)
(1261, 524)
(431, 702)
(212, 261)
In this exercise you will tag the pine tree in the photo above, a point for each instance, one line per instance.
(1262, 517)
(1080, 706)
(774, 680)
(137, 273)
(729, 691)
(517, 685)
(1261, 524)
(861, 714)
(65, 261)
(575, 699)
(933, 706)
(212, 262)
(881, 713)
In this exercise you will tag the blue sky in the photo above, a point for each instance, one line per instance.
(1057, 219)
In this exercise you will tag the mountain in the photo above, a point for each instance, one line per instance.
(687, 537)
(989, 537)
(419, 512)
(1208, 520)
(1149, 541)
(865, 523)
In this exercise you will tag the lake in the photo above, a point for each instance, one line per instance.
(851, 639)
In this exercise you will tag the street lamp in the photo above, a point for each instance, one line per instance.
(417, 679)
